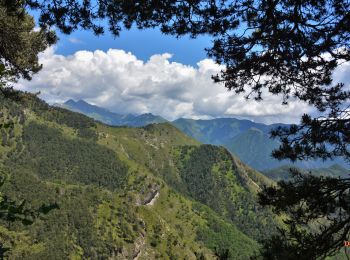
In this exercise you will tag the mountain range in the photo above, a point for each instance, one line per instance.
(149, 192)
(250, 141)
(94, 191)
(110, 118)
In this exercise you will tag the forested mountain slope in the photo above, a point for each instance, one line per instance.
(122, 193)
(248, 140)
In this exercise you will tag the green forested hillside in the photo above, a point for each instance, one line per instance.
(248, 140)
(210, 175)
(122, 193)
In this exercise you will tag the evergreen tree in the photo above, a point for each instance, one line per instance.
(317, 215)
(20, 43)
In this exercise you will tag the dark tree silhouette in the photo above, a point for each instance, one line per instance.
(284, 47)
(317, 214)
(20, 44)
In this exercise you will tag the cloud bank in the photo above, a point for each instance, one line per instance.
(122, 83)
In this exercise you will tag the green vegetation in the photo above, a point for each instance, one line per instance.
(54, 157)
(218, 234)
(281, 51)
(248, 140)
(211, 176)
(121, 192)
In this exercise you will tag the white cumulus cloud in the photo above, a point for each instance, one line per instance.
(119, 81)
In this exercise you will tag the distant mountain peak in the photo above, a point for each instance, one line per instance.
(69, 102)
(79, 102)
(111, 118)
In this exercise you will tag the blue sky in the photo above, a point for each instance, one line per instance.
(142, 43)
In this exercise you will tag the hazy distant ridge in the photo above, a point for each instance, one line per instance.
(109, 117)
(248, 140)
